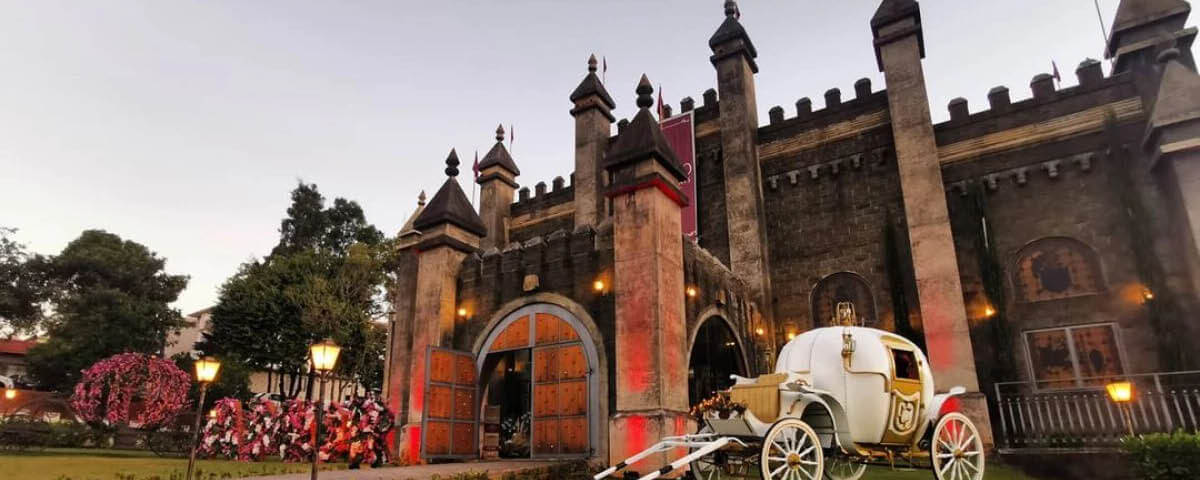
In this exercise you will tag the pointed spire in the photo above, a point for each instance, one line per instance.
(450, 205)
(643, 138)
(498, 155)
(731, 38)
(590, 87)
(421, 199)
(452, 164)
(1135, 14)
(408, 229)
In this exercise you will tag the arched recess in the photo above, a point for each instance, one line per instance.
(1052, 268)
(842, 287)
(708, 370)
(565, 351)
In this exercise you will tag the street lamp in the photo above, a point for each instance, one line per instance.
(1121, 394)
(324, 356)
(206, 372)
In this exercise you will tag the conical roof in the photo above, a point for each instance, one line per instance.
(408, 228)
(1132, 13)
(591, 85)
(732, 29)
(499, 155)
(1178, 94)
(450, 205)
(643, 137)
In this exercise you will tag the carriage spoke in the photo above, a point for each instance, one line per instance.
(972, 466)
(942, 472)
(777, 459)
(806, 452)
(780, 469)
(967, 442)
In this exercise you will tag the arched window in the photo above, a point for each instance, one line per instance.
(1054, 268)
(842, 287)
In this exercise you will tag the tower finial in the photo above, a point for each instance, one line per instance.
(421, 199)
(452, 164)
(645, 93)
(500, 133)
(732, 10)
(592, 64)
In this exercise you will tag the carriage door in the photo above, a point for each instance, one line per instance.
(448, 425)
(560, 389)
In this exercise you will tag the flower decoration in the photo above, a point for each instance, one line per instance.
(134, 389)
(718, 405)
(224, 433)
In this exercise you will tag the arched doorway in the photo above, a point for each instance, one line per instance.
(537, 378)
(716, 354)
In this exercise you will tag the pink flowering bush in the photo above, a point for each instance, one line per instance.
(110, 389)
(353, 431)
(224, 433)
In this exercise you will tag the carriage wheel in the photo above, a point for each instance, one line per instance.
(713, 466)
(956, 449)
(844, 468)
(791, 451)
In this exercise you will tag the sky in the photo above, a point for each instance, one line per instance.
(183, 125)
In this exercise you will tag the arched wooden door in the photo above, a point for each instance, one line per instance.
(563, 361)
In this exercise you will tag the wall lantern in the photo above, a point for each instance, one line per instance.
(759, 331)
(10, 393)
(691, 292)
(598, 286)
(462, 312)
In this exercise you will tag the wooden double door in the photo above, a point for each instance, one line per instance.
(558, 393)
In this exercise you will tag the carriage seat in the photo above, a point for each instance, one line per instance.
(761, 396)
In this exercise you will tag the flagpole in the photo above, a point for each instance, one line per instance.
(1103, 29)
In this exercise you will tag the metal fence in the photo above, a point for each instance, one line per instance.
(1033, 415)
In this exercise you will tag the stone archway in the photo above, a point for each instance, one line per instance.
(545, 359)
(715, 351)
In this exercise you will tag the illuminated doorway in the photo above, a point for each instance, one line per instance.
(716, 354)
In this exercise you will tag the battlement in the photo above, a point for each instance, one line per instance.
(836, 110)
(1046, 101)
(543, 196)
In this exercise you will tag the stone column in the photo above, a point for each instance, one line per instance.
(733, 57)
(593, 127)
(399, 357)
(939, 291)
(651, 341)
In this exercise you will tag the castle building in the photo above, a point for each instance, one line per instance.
(1050, 240)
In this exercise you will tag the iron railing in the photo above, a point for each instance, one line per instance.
(1033, 415)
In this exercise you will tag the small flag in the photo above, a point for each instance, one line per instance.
(476, 167)
(604, 73)
(512, 135)
(1056, 74)
(660, 102)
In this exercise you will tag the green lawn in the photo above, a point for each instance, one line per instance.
(90, 464)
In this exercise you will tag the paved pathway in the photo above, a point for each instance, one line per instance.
(418, 472)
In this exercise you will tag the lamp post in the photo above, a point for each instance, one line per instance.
(324, 356)
(1121, 394)
(206, 372)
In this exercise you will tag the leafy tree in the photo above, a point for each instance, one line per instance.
(323, 280)
(22, 287)
(110, 296)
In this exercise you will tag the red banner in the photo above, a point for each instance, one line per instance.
(682, 137)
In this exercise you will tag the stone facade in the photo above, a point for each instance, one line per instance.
(992, 238)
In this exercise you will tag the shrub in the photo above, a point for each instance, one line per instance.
(1161, 456)
(110, 387)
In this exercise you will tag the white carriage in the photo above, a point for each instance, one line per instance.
(840, 398)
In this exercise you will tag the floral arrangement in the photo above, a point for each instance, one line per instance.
(354, 431)
(223, 435)
(110, 386)
(718, 404)
(265, 432)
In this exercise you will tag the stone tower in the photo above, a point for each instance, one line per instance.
(651, 339)
(593, 125)
(733, 57)
(497, 182)
(899, 48)
(450, 231)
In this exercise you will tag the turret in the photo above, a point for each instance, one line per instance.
(593, 127)
(1143, 28)
(734, 59)
(497, 182)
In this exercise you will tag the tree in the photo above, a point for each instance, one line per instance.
(109, 296)
(22, 287)
(323, 280)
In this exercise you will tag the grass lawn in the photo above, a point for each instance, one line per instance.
(94, 464)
